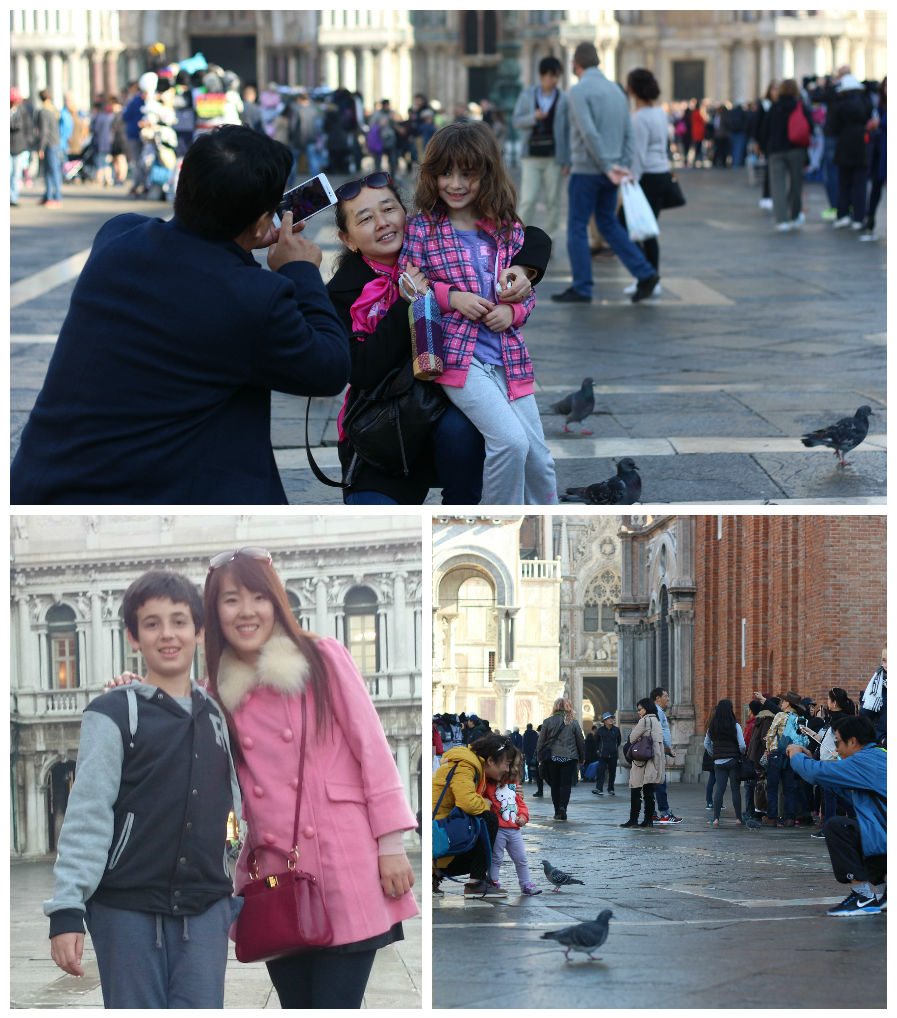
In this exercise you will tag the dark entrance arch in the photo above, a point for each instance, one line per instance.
(601, 692)
(59, 785)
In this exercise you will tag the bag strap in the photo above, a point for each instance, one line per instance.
(315, 469)
(448, 781)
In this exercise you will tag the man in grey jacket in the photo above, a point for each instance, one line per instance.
(534, 117)
(594, 144)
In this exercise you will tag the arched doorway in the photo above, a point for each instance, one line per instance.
(59, 786)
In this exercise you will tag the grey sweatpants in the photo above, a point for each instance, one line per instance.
(160, 961)
(519, 469)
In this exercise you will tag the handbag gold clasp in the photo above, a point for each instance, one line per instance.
(293, 858)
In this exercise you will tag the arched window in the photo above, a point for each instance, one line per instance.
(480, 33)
(131, 660)
(362, 629)
(295, 607)
(599, 605)
(63, 645)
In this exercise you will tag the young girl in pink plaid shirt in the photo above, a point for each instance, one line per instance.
(463, 239)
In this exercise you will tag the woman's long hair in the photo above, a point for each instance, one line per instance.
(649, 705)
(259, 576)
(843, 701)
(471, 146)
(722, 724)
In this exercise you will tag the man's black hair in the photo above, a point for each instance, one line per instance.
(657, 691)
(859, 727)
(160, 583)
(229, 178)
(550, 65)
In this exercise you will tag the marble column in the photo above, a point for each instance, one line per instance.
(331, 68)
(382, 630)
(20, 76)
(823, 58)
(98, 663)
(400, 628)
(403, 763)
(35, 841)
(765, 65)
(321, 606)
(21, 677)
(511, 643)
(724, 74)
(350, 69)
(386, 72)
(368, 74)
(55, 78)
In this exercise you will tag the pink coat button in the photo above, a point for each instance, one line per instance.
(287, 735)
(269, 839)
(294, 783)
(308, 832)
(247, 742)
(258, 791)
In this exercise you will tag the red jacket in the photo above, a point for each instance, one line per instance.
(508, 811)
(437, 742)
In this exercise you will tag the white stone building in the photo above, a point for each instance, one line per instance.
(358, 581)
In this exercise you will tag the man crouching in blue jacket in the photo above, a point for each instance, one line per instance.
(159, 388)
(858, 848)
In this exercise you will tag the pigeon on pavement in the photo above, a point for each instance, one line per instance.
(843, 436)
(624, 489)
(583, 937)
(558, 877)
(578, 405)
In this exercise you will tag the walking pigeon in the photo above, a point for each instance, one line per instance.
(558, 877)
(578, 405)
(843, 436)
(583, 937)
(624, 489)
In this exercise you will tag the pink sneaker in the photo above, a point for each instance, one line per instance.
(530, 889)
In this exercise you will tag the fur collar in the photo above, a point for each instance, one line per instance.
(281, 666)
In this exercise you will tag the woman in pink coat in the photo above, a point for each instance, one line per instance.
(271, 677)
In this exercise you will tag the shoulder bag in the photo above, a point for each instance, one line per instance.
(459, 832)
(673, 196)
(642, 749)
(283, 913)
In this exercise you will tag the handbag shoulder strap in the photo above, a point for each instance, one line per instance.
(315, 469)
(448, 781)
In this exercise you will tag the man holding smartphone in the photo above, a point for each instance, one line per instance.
(159, 389)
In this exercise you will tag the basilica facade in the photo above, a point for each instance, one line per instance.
(358, 584)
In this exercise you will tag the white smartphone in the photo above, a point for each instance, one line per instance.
(306, 199)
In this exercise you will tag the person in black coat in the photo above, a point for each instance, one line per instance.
(370, 217)
(608, 739)
(530, 739)
(848, 120)
(787, 158)
(159, 389)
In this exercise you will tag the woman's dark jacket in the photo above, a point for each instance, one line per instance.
(386, 348)
(847, 119)
(777, 125)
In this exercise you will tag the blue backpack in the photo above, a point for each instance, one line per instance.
(790, 734)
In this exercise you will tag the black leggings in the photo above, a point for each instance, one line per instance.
(561, 776)
(322, 979)
(654, 186)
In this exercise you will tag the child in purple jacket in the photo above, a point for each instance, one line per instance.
(467, 234)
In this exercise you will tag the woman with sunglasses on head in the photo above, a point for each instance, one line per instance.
(294, 703)
(367, 295)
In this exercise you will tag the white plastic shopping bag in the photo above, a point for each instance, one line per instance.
(640, 220)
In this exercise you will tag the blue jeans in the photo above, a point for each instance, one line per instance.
(596, 193)
(739, 147)
(830, 172)
(53, 159)
(725, 772)
(660, 793)
(369, 498)
(17, 166)
(459, 454)
(778, 769)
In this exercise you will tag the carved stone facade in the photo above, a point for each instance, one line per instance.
(358, 581)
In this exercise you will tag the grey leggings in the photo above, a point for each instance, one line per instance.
(730, 770)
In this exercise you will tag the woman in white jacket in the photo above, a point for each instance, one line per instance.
(645, 775)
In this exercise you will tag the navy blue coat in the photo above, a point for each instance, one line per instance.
(159, 389)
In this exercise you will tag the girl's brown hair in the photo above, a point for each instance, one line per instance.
(471, 146)
(515, 767)
(789, 87)
(259, 576)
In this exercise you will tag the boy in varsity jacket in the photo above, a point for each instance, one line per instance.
(142, 855)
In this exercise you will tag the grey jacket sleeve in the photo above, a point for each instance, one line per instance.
(628, 143)
(562, 132)
(88, 826)
(639, 148)
(525, 110)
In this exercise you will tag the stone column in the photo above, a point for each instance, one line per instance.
(331, 68)
(382, 642)
(110, 75)
(20, 77)
(55, 78)
(765, 67)
(823, 58)
(400, 617)
(403, 763)
(21, 676)
(35, 826)
(510, 641)
(321, 606)
(840, 52)
(369, 69)
(724, 74)
(685, 655)
(349, 69)
(385, 72)
(627, 646)
(506, 681)
(99, 665)
(858, 59)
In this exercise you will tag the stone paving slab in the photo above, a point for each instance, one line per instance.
(710, 911)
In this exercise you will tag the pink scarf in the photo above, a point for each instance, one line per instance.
(375, 299)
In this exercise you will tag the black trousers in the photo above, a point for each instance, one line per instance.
(476, 861)
(560, 777)
(322, 979)
(608, 764)
(636, 795)
(654, 185)
(842, 838)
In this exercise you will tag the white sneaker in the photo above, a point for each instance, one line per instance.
(842, 223)
(856, 226)
(765, 203)
(630, 290)
(783, 227)
(799, 220)
(867, 235)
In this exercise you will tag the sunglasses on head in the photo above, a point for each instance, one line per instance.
(352, 188)
(217, 561)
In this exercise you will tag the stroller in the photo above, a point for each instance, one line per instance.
(84, 166)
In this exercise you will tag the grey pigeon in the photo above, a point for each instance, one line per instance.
(578, 405)
(558, 877)
(843, 436)
(623, 489)
(583, 937)
(750, 823)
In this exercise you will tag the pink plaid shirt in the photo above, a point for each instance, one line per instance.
(433, 246)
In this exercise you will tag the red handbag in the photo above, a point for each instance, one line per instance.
(283, 913)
